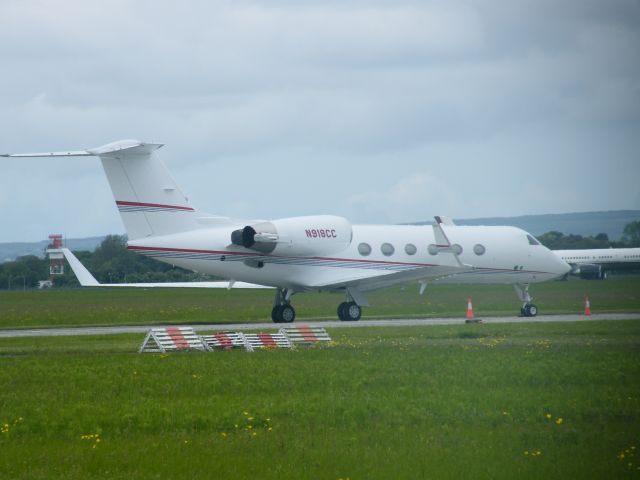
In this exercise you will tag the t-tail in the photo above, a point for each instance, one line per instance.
(148, 198)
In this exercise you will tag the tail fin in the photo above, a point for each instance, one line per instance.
(148, 198)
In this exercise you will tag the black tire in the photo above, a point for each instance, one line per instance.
(353, 312)
(276, 315)
(530, 310)
(342, 311)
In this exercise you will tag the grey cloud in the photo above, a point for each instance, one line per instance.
(494, 100)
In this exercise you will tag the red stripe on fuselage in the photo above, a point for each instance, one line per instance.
(223, 252)
(154, 205)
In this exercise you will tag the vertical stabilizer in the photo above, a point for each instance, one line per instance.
(148, 198)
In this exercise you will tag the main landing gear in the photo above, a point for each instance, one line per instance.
(349, 312)
(528, 309)
(282, 311)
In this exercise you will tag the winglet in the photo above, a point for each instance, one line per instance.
(443, 244)
(442, 220)
(84, 276)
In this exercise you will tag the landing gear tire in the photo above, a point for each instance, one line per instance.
(283, 314)
(349, 312)
(341, 311)
(529, 310)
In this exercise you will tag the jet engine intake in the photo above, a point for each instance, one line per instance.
(590, 271)
(312, 235)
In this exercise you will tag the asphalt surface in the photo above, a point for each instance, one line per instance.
(399, 322)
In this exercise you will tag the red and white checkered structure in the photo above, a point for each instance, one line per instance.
(255, 341)
(175, 339)
(305, 334)
(224, 340)
(172, 339)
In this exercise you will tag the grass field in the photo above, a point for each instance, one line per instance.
(174, 306)
(469, 401)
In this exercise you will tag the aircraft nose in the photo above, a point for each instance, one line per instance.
(560, 267)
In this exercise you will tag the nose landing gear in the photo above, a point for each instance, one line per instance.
(528, 309)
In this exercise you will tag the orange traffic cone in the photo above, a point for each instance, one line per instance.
(469, 309)
(587, 306)
(470, 317)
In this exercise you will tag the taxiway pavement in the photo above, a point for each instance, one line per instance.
(396, 322)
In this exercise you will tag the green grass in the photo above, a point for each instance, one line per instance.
(174, 306)
(466, 401)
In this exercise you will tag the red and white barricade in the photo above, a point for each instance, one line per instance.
(265, 340)
(305, 334)
(224, 340)
(172, 339)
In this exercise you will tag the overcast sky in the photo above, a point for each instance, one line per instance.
(383, 112)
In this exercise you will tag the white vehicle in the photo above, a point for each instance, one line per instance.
(593, 264)
(311, 253)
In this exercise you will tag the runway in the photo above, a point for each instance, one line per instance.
(399, 322)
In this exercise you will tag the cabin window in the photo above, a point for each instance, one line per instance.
(410, 249)
(387, 249)
(532, 241)
(479, 249)
(364, 249)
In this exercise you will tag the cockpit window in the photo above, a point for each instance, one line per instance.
(532, 241)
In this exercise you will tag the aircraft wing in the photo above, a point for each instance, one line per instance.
(87, 280)
(450, 264)
(367, 283)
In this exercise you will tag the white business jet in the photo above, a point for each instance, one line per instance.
(312, 253)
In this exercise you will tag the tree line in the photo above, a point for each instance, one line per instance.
(111, 262)
(559, 241)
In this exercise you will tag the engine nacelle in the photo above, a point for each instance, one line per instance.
(312, 235)
(590, 271)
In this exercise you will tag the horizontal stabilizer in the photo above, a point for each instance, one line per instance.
(130, 147)
(78, 153)
(87, 280)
